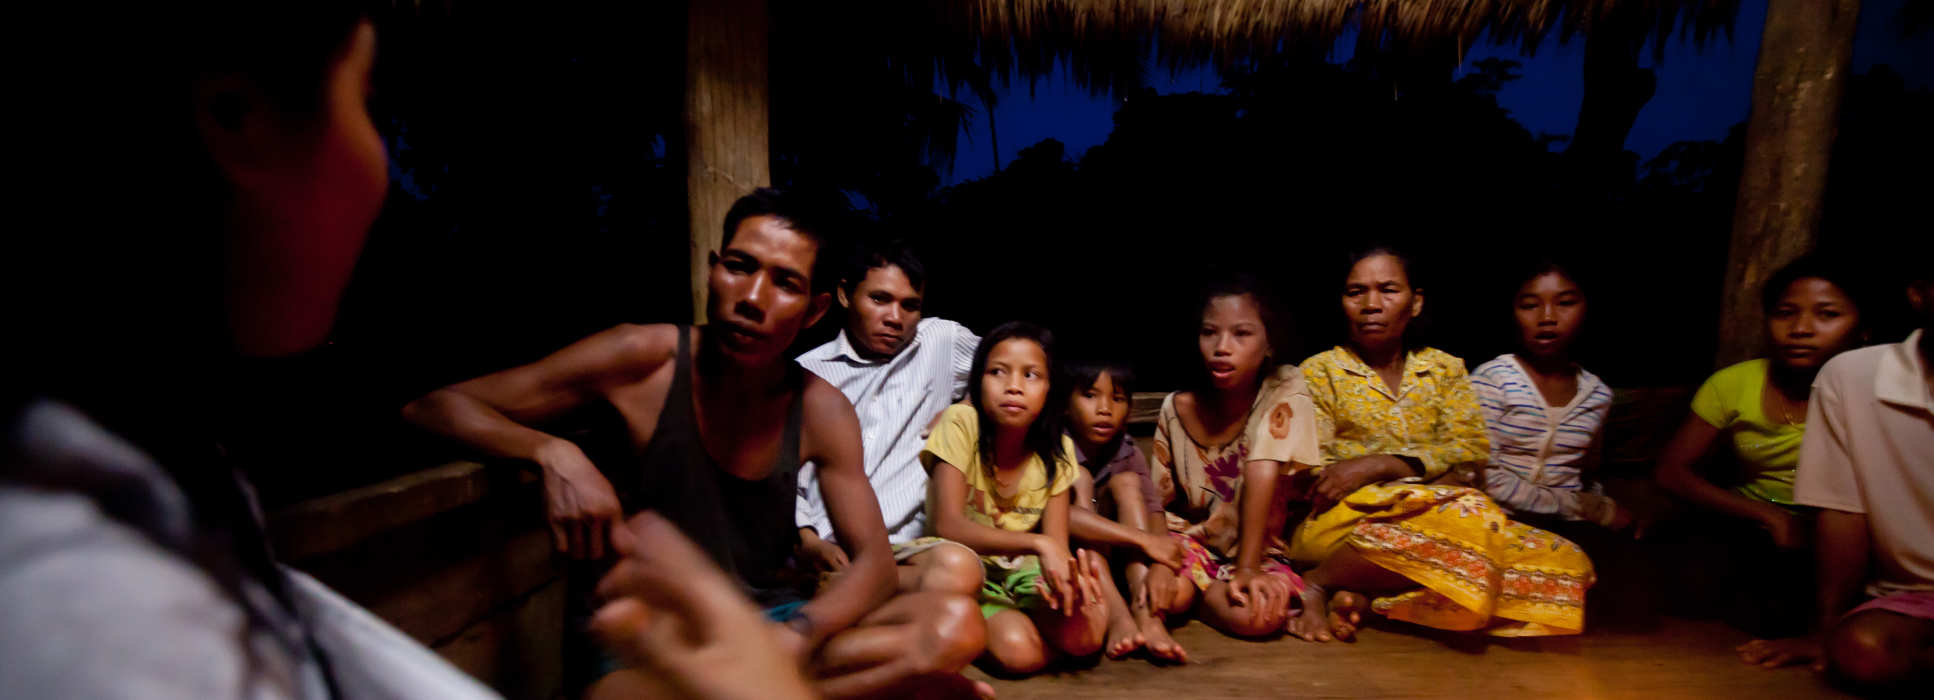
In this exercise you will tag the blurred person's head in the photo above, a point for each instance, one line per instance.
(238, 174)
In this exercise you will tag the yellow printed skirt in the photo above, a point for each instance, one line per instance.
(1479, 570)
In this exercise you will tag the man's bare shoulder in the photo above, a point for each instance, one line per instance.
(829, 416)
(639, 349)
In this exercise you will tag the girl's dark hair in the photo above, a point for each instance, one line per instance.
(1044, 435)
(1811, 266)
(1414, 335)
(1539, 267)
(1277, 328)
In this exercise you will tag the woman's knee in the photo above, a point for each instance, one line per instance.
(1870, 650)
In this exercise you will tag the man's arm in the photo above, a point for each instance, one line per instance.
(489, 413)
(832, 442)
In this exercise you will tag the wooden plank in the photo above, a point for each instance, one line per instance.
(434, 578)
(1144, 406)
(518, 650)
(1805, 56)
(339, 520)
(727, 121)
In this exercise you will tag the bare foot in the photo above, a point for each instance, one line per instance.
(1160, 644)
(1124, 637)
(1346, 612)
(1311, 624)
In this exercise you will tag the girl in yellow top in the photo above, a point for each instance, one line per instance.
(1760, 405)
(1000, 472)
(1444, 556)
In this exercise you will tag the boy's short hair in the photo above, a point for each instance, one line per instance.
(1083, 373)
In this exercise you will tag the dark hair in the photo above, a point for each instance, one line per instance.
(1413, 337)
(1276, 326)
(815, 217)
(872, 255)
(1375, 249)
(1539, 267)
(1044, 436)
(1810, 266)
(1083, 373)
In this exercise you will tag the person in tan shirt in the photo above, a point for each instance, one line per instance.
(1868, 464)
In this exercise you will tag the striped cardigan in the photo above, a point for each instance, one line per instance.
(1540, 454)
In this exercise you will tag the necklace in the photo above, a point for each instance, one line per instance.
(1783, 401)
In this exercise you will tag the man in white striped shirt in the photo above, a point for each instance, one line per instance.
(900, 371)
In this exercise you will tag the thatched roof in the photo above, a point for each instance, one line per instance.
(1243, 26)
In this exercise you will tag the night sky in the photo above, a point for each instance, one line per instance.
(1702, 91)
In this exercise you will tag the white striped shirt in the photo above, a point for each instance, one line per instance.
(895, 398)
(1539, 453)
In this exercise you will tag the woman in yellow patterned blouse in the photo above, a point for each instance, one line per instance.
(1391, 416)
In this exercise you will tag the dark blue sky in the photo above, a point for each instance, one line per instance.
(1702, 91)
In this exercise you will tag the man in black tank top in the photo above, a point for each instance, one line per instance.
(712, 424)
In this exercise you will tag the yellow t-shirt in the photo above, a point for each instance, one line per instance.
(956, 441)
(1769, 449)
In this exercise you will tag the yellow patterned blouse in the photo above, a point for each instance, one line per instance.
(1432, 417)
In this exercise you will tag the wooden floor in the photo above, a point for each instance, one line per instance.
(1679, 659)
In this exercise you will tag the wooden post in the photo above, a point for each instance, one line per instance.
(727, 153)
(1805, 54)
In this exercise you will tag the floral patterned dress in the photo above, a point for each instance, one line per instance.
(1477, 568)
(1200, 485)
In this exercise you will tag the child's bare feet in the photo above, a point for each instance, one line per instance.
(1346, 612)
(1124, 636)
(1160, 644)
(1327, 617)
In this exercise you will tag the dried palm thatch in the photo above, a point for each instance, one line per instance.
(1261, 22)
(1195, 29)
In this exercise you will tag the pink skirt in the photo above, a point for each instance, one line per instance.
(1918, 604)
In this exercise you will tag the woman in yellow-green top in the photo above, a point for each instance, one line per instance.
(1759, 406)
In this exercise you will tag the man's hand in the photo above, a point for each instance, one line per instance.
(674, 613)
(1774, 653)
(580, 503)
(1339, 480)
(820, 554)
(1162, 549)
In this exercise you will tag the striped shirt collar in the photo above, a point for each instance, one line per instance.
(842, 348)
(1587, 383)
